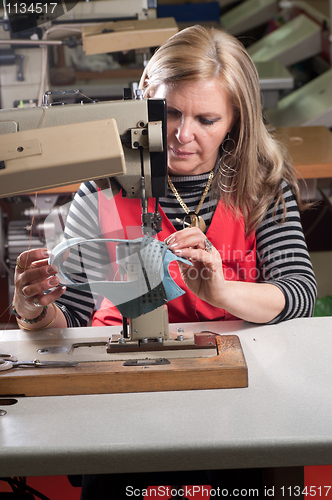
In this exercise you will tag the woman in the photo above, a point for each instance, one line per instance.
(231, 208)
(250, 259)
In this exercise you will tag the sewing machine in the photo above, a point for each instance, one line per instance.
(122, 145)
(293, 42)
(248, 15)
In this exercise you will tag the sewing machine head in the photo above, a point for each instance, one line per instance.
(56, 145)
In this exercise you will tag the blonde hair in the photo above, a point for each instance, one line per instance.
(197, 54)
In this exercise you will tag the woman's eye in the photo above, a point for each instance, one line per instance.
(205, 121)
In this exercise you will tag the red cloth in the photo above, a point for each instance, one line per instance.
(121, 218)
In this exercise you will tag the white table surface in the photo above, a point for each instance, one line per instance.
(284, 417)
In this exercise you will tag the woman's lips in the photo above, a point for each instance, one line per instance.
(181, 154)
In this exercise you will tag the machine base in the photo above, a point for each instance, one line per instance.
(226, 370)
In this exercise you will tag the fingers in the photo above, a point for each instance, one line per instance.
(191, 238)
(193, 245)
(198, 257)
(33, 277)
(34, 274)
(26, 259)
(38, 281)
(184, 238)
(46, 299)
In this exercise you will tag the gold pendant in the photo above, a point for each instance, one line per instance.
(193, 220)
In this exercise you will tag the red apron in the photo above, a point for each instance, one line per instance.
(121, 218)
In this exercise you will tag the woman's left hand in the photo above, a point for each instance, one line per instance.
(205, 277)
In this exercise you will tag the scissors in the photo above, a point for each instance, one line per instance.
(7, 361)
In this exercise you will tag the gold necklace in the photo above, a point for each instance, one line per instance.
(192, 219)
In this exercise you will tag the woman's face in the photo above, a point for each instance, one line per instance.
(199, 116)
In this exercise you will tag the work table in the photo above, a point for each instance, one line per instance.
(283, 418)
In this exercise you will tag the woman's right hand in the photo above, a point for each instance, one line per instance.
(33, 277)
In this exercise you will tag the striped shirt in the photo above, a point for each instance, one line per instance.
(282, 255)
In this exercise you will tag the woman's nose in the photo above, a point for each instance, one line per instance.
(185, 131)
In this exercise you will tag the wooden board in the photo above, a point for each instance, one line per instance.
(226, 370)
(310, 149)
(127, 35)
